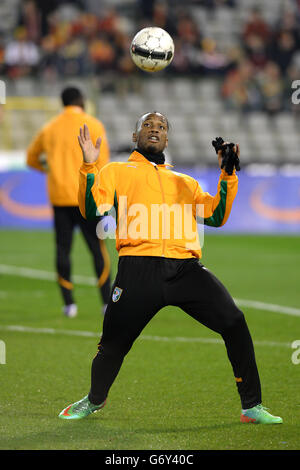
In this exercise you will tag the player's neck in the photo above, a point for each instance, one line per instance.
(157, 158)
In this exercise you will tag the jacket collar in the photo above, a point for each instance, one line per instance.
(138, 157)
(73, 109)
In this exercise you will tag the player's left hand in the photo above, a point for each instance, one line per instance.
(236, 149)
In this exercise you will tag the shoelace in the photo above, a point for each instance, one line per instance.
(81, 405)
(263, 408)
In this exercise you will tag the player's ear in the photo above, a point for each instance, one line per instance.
(167, 142)
(134, 137)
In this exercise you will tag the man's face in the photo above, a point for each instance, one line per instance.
(152, 135)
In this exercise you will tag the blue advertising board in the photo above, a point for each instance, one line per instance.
(264, 203)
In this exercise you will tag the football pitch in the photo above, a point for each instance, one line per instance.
(176, 389)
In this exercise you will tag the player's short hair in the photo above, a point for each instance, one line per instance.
(140, 121)
(71, 95)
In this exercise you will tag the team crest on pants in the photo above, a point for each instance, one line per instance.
(116, 294)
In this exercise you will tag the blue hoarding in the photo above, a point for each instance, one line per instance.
(264, 203)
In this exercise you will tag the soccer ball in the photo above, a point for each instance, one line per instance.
(152, 49)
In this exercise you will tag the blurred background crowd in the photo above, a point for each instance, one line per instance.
(52, 39)
(232, 72)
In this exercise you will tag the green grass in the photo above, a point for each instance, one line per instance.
(168, 394)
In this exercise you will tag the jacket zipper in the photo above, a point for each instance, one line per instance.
(163, 199)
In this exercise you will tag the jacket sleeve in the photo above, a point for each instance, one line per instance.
(97, 193)
(34, 151)
(216, 209)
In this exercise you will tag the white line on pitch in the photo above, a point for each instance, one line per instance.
(86, 280)
(43, 275)
(170, 339)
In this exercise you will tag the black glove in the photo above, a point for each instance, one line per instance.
(230, 159)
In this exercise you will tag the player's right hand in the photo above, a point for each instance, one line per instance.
(90, 151)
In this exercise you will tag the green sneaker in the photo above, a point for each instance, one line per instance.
(80, 409)
(259, 415)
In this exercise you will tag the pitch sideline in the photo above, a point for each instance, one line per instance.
(169, 339)
(90, 281)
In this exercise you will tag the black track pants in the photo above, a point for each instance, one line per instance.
(142, 287)
(66, 219)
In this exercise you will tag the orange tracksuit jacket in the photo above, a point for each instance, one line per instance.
(136, 189)
(58, 140)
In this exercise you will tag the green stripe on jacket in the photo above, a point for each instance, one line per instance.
(216, 219)
(90, 205)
